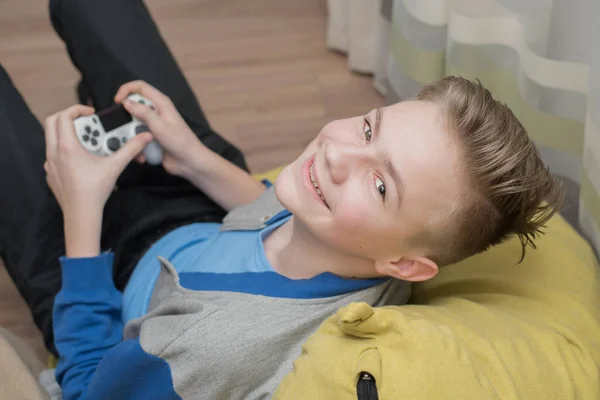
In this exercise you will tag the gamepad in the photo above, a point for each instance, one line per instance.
(107, 131)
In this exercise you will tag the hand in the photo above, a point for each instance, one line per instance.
(81, 181)
(166, 125)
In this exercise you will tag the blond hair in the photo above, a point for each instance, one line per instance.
(511, 191)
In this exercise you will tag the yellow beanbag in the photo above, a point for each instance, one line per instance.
(485, 328)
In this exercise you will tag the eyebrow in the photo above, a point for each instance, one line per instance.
(395, 176)
(378, 117)
(387, 159)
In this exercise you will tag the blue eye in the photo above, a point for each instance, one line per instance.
(380, 186)
(367, 131)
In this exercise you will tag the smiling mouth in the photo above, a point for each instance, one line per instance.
(315, 185)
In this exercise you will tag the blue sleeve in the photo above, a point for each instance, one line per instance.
(128, 372)
(94, 361)
(87, 320)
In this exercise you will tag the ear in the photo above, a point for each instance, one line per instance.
(408, 269)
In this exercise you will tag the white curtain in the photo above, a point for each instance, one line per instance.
(541, 57)
(359, 29)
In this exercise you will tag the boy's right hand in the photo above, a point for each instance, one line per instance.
(185, 155)
(167, 126)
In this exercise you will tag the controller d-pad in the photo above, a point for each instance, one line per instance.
(88, 129)
(113, 144)
(141, 128)
(94, 142)
(96, 133)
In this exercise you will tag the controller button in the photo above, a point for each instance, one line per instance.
(124, 139)
(94, 142)
(88, 129)
(95, 120)
(96, 133)
(141, 101)
(113, 144)
(141, 128)
(86, 138)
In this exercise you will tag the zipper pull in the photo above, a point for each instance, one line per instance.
(366, 388)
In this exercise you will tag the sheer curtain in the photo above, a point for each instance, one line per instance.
(538, 56)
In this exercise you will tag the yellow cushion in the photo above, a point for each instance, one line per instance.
(486, 328)
(270, 175)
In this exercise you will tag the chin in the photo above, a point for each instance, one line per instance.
(285, 188)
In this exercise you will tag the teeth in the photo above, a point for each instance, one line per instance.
(314, 182)
(312, 178)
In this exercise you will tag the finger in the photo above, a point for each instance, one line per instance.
(132, 148)
(66, 129)
(65, 132)
(50, 135)
(78, 110)
(129, 88)
(140, 159)
(146, 114)
(161, 102)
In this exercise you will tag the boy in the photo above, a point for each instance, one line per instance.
(217, 310)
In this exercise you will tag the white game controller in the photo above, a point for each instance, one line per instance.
(107, 131)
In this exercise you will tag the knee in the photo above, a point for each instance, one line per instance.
(52, 6)
(4, 77)
(57, 7)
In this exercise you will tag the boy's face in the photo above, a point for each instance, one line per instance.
(382, 180)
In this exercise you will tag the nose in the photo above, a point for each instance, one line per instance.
(342, 159)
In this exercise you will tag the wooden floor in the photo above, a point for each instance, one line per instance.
(260, 69)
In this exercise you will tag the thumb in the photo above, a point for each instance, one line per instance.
(132, 148)
(146, 114)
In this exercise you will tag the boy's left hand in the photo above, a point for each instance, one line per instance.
(81, 181)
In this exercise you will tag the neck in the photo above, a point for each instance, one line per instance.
(296, 253)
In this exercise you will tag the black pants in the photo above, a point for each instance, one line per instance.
(110, 42)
